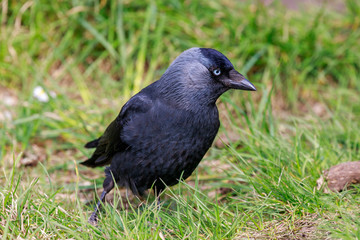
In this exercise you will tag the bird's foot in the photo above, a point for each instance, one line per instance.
(93, 219)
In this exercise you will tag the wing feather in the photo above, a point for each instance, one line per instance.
(110, 142)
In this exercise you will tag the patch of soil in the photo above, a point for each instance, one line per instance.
(303, 228)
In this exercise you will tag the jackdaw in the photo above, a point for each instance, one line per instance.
(162, 133)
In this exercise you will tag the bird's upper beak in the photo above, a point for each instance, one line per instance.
(238, 81)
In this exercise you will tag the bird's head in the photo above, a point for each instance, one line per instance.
(221, 70)
(204, 73)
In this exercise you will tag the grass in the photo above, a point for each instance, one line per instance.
(258, 181)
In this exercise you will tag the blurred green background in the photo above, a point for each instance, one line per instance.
(67, 67)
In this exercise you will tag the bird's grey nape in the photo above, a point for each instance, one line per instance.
(188, 80)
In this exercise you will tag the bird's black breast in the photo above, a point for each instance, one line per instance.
(164, 144)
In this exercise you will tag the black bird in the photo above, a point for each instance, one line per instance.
(162, 133)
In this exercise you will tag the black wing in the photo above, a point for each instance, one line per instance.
(110, 142)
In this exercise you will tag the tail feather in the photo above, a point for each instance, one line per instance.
(89, 163)
(99, 157)
(96, 161)
(93, 143)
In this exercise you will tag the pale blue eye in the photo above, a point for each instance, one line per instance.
(217, 72)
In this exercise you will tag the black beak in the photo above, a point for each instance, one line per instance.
(238, 81)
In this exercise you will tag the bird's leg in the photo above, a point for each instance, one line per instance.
(93, 218)
(108, 186)
(158, 201)
(157, 195)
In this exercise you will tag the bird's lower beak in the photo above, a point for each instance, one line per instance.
(238, 81)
